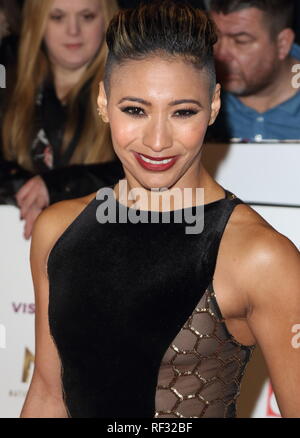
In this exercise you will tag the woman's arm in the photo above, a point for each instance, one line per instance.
(12, 178)
(45, 398)
(62, 184)
(81, 179)
(271, 277)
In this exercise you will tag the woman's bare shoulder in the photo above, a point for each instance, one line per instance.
(248, 229)
(52, 223)
(257, 246)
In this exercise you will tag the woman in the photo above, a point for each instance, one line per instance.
(130, 318)
(51, 120)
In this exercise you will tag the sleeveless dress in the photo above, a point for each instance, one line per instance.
(135, 320)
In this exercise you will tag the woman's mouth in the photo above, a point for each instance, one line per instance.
(73, 46)
(155, 163)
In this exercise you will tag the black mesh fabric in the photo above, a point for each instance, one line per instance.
(201, 372)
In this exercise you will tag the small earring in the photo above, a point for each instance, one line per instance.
(99, 111)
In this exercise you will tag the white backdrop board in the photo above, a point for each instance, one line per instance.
(267, 176)
(267, 173)
(16, 313)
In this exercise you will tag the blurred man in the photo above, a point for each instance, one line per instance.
(255, 56)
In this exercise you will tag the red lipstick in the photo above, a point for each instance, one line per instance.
(153, 166)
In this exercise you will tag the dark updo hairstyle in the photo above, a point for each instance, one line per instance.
(164, 28)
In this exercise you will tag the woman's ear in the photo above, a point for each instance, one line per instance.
(102, 103)
(215, 104)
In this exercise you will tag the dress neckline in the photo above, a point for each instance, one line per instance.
(228, 196)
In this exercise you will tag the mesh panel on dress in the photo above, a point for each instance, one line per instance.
(201, 371)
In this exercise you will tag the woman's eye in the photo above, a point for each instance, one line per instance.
(186, 113)
(86, 17)
(89, 17)
(56, 17)
(139, 112)
(133, 111)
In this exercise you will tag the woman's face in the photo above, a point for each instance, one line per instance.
(159, 110)
(74, 32)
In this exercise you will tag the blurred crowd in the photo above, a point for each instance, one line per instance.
(54, 145)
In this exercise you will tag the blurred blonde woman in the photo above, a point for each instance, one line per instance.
(51, 119)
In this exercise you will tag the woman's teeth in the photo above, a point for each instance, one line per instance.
(156, 162)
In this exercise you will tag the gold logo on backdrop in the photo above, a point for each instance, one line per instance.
(28, 361)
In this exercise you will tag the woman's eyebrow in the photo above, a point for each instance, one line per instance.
(146, 103)
(178, 102)
(82, 11)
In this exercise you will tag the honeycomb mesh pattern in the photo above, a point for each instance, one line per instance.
(201, 371)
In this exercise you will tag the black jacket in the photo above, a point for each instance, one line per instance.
(63, 183)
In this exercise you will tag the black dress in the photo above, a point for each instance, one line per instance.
(135, 320)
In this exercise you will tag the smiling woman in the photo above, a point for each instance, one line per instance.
(156, 120)
(141, 319)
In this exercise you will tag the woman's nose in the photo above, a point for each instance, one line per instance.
(158, 134)
(73, 26)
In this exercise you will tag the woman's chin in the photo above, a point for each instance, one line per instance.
(150, 180)
(154, 183)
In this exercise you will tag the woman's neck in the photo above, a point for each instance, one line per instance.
(65, 80)
(202, 179)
